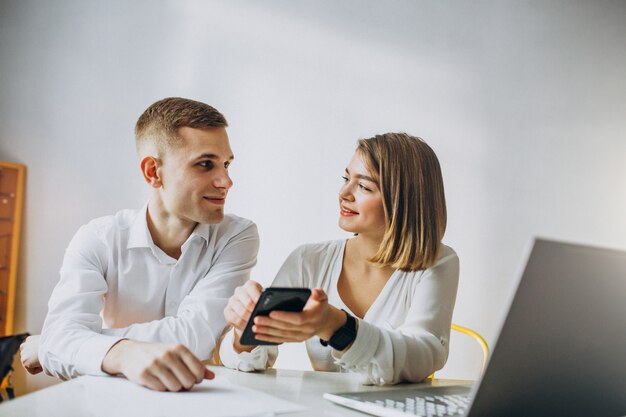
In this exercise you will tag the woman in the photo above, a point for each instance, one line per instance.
(382, 301)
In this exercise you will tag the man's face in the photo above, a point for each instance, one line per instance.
(195, 178)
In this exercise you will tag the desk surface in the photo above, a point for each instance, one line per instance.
(301, 387)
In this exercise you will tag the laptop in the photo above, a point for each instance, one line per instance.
(561, 349)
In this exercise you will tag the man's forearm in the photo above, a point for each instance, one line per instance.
(113, 360)
(157, 366)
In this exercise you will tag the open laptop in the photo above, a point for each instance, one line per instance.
(561, 349)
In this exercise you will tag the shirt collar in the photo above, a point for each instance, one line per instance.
(139, 235)
(202, 230)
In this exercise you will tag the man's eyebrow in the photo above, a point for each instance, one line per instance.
(363, 177)
(213, 156)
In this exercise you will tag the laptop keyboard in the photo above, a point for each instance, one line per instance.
(429, 406)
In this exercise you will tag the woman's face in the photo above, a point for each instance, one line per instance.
(360, 201)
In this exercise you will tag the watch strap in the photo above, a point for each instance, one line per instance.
(344, 336)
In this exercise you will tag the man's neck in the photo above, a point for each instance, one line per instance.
(168, 232)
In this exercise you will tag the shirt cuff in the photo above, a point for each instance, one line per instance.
(89, 357)
(256, 360)
(363, 349)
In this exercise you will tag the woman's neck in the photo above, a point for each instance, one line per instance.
(363, 247)
(359, 250)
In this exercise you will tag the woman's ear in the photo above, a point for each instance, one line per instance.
(150, 170)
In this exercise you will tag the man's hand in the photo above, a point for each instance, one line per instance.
(239, 310)
(156, 366)
(29, 355)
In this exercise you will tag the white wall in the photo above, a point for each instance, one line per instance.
(524, 102)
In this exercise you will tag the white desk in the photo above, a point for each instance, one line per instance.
(71, 398)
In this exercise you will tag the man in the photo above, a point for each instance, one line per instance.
(142, 292)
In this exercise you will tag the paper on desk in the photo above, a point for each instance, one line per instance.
(108, 396)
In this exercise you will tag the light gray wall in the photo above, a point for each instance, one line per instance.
(524, 102)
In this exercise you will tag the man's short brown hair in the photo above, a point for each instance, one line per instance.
(160, 122)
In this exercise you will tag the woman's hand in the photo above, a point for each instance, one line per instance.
(29, 351)
(239, 309)
(317, 318)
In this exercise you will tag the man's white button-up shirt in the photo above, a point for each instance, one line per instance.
(116, 283)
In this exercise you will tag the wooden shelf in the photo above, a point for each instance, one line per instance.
(11, 206)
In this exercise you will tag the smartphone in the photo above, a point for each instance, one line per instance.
(274, 299)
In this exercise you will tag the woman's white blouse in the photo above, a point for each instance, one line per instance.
(403, 336)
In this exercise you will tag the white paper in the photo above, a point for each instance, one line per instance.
(109, 396)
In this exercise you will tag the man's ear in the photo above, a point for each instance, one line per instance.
(150, 170)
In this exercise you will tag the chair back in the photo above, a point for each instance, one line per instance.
(478, 338)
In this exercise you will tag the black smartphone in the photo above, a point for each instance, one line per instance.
(274, 299)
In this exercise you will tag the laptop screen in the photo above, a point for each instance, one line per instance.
(561, 348)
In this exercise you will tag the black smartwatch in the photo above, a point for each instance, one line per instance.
(344, 336)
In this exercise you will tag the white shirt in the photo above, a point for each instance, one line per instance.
(403, 336)
(116, 283)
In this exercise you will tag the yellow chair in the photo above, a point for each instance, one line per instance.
(479, 339)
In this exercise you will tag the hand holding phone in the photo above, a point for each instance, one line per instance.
(274, 299)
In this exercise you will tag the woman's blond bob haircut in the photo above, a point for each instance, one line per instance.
(410, 180)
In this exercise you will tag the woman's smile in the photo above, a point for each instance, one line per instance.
(346, 212)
